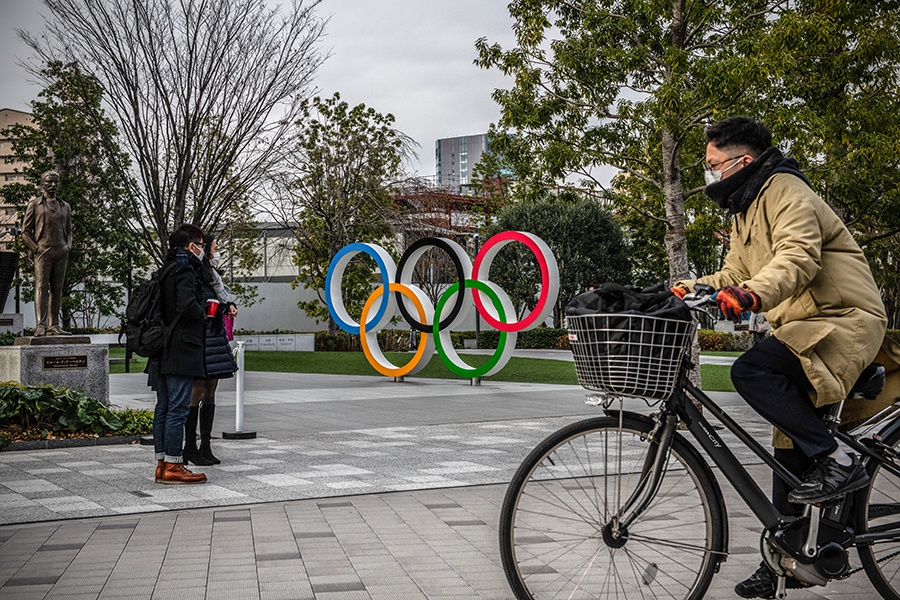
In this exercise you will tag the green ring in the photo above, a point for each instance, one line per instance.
(501, 344)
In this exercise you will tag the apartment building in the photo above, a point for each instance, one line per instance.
(455, 159)
(10, 169)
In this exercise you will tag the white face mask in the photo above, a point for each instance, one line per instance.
(198, 255)
(712, 177)
(214, 261)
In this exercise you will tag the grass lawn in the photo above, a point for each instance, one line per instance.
(716, 378)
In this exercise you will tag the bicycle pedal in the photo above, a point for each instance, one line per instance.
(831, 502)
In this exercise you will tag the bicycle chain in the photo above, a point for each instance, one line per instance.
(854, 571)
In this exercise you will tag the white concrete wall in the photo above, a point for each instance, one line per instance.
(277, 309)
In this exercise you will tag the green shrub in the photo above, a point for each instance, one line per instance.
(135, 421)
(540, 338)
(723, 341)
(7, 338)
(339, 342)
(45, 411)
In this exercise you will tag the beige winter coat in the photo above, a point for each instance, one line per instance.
(816, 289)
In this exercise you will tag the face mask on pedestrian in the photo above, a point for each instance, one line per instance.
(198, 254)
(716, 176)
(214, 261)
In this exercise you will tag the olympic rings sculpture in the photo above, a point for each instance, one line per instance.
(453, 305)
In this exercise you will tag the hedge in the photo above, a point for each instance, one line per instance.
(722, 341)
(397, 340)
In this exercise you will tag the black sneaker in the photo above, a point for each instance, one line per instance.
(827, 479)
(762, 584)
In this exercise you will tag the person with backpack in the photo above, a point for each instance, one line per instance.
(220, 363)
(182, 358)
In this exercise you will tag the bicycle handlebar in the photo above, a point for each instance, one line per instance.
(703, 295)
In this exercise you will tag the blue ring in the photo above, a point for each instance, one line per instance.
(385, 297)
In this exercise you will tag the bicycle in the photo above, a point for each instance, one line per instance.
(624, 506)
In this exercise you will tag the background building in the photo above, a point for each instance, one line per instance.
(456, 157)
(10, 169)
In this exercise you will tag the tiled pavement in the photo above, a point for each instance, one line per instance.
(354, 488)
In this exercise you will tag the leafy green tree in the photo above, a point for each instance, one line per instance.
(627, 84)
(203, 94)
(68, 138)
(335, 190)
(631, 84)
(585, 239)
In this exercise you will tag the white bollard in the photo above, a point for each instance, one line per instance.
(239, 433)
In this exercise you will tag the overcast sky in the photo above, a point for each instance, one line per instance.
(410, 58)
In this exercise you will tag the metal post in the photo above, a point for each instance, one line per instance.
(128, 284)
(477, 314)
(239, 433)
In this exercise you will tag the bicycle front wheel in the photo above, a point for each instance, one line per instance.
(561, 533)
(878, 512)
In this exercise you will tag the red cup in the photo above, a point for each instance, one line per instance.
(212, 306)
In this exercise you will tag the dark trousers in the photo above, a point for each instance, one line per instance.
(772, 381)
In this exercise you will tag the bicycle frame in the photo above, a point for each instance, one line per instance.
(701, 429)
(757, 500)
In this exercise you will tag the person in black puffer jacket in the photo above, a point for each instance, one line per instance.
(220, 364)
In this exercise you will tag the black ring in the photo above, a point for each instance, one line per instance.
(461, 276)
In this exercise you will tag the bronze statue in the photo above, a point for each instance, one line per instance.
(47, 231)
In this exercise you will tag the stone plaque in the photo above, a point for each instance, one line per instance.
(65, 363)
(6, 322)
(83, 367)
(286, 343)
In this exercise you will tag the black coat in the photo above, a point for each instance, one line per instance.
(181, 295)
(220, 362)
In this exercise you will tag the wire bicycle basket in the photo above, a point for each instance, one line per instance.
(629, 355)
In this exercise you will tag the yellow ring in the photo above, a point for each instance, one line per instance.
(389, 369)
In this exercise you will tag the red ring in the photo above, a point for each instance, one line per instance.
(512, 236)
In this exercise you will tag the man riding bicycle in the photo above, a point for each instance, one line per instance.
(793, 258)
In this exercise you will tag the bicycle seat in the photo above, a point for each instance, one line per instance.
(869, 384)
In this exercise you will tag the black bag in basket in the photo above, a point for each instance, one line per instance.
(655, 301)
(618, 348)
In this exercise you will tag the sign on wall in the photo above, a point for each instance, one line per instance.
(472, 288)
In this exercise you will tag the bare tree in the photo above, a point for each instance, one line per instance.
(203, 92)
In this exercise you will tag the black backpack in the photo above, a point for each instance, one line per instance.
(143, 326)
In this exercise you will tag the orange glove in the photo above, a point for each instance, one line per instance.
(679, 290)
(733, 301)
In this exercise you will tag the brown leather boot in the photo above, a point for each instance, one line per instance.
(176, 474)
(160, 468)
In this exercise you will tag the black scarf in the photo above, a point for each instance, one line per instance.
(736, 193)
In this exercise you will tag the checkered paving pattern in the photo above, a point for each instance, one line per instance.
(351, 491)
(95, 481)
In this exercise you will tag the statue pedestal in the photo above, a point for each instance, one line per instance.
(70, 361)
(12, 323)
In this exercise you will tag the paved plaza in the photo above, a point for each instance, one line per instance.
(354, 488)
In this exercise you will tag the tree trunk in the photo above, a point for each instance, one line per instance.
(676, 247)
(676, 244)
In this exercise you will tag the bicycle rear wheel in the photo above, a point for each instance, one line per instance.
(557, 532)
(878, 510)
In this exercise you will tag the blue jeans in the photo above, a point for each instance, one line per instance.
(173, 401)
